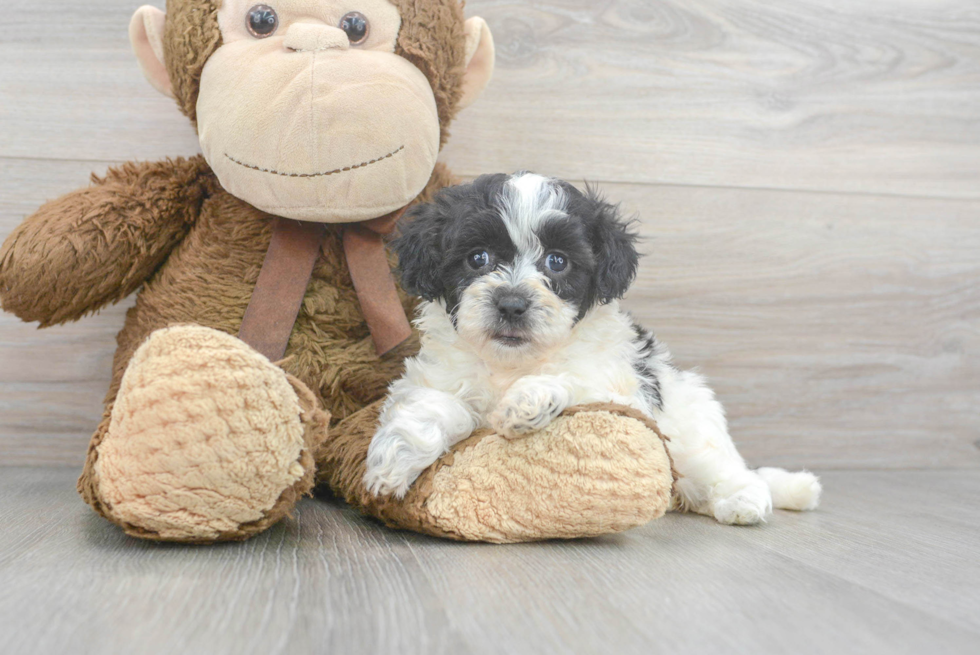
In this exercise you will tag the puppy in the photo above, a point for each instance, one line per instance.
(521, 276)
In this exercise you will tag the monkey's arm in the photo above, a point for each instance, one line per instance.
(97, 245)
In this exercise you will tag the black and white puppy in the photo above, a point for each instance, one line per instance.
(521, 276)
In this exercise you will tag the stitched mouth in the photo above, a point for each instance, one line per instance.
(323, 174)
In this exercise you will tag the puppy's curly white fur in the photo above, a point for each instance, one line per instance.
(521, 275)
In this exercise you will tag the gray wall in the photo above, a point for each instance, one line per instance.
(807, 172)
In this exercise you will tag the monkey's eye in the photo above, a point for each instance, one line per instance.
(556, 262)
(356, 26)
(478, 260)
(262, 21)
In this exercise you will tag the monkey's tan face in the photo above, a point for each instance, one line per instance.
(306, 112)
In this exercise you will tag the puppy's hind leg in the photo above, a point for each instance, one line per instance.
(714, 478)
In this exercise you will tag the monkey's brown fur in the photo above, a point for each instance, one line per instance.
(107, 240)
(196, 250)
(193, 251)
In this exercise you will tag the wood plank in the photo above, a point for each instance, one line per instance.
(840, 331)
(332, 581)
(837, 95)
(312, 585)
(925, 555)
(682, 569)
(879, 96)
(51, 382)
(72, 89)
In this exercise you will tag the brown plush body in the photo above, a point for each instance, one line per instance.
(203, 439)
(213, 245)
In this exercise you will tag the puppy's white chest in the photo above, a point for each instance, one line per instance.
(499, 382)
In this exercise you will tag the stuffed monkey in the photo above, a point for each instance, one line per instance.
(267, 326)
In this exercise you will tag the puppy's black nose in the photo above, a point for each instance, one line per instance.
(511, 306)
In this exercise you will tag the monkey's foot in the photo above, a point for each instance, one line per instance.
(596, 469)
(206, 441)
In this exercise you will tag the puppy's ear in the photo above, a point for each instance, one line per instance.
(419, 254)
(614, 245)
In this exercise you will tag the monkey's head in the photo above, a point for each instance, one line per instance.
(320, 110)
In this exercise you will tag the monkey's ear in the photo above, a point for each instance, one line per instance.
(479, 60)
(419, 253)
(146, 36)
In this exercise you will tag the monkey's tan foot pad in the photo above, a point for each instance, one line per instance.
(595, 470)
(206, 441)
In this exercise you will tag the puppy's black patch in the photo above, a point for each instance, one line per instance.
(649, 381)
(435, 239)
(599, 241)
(613, 242)
(569, 237)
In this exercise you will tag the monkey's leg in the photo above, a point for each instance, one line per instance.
(206, 441)
(596, 469)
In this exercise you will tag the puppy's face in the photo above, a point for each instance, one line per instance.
(516, 260)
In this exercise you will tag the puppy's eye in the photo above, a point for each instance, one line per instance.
(356, 26)
(556, 262)
(478, 260)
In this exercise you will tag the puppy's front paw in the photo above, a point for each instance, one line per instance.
(397, 456)
(531, 404)
(383, 480)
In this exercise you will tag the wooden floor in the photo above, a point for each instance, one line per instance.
(889, 565)
(806, 174)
